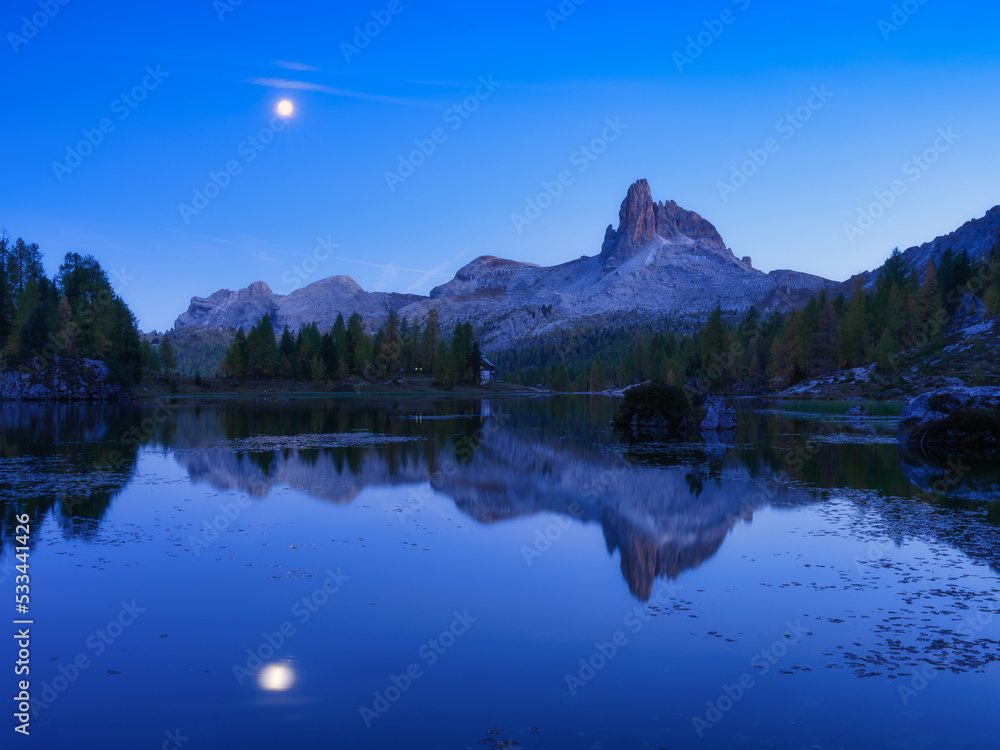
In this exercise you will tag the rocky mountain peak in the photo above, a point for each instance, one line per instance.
(673, 221)
(241, 309)
(259, 289)
(636, 225)
(486, 264)
(641, 219)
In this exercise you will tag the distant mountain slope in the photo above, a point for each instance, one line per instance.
(977, 237)
(662, 260)
(319, 302)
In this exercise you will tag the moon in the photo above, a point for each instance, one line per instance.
(286, 108)
(276, 676)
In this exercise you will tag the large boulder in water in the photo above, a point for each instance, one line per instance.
(718, 414)
(62, 379)
(952, 416)
(670, 407)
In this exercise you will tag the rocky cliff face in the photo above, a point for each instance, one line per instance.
(640, 220)
(230, 309)
(63, 379)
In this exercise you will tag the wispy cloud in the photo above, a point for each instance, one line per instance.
(296, 66)
(426, 277)
(449, 84)
(202, 236)
(420, 283)
(284, 83)
(393, 267)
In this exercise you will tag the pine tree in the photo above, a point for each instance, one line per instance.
(37, 312)
(262, 349)
(234, 363)
(806, 335)
(391, 349)
(344, 352)
(331, 358)
(150, 357)
(430, 339)
(317, 372)
(827, 335)
(714, 347)
(855, 331)
(929, 308)
(168, 356)
(6, 293)
(358, 345)
(287, 354)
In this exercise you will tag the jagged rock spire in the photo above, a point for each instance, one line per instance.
(636, 225)
(640, 220)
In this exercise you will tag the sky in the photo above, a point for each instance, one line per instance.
(815, 136)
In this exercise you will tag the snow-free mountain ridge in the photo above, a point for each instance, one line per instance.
(662, 260)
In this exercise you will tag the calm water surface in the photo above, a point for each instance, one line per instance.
(463, 574)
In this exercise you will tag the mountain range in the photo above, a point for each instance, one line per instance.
(661, 261)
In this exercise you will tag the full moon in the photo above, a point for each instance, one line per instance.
(276, 677)
(285, 108)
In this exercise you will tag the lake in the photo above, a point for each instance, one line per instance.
(456, 573)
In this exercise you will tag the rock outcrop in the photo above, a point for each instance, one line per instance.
(668, 408)
(719, 415)
(62, 379)
(952, 416)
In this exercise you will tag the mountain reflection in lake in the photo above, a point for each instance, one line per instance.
(192, 501)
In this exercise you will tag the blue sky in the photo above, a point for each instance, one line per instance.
(695, 92)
